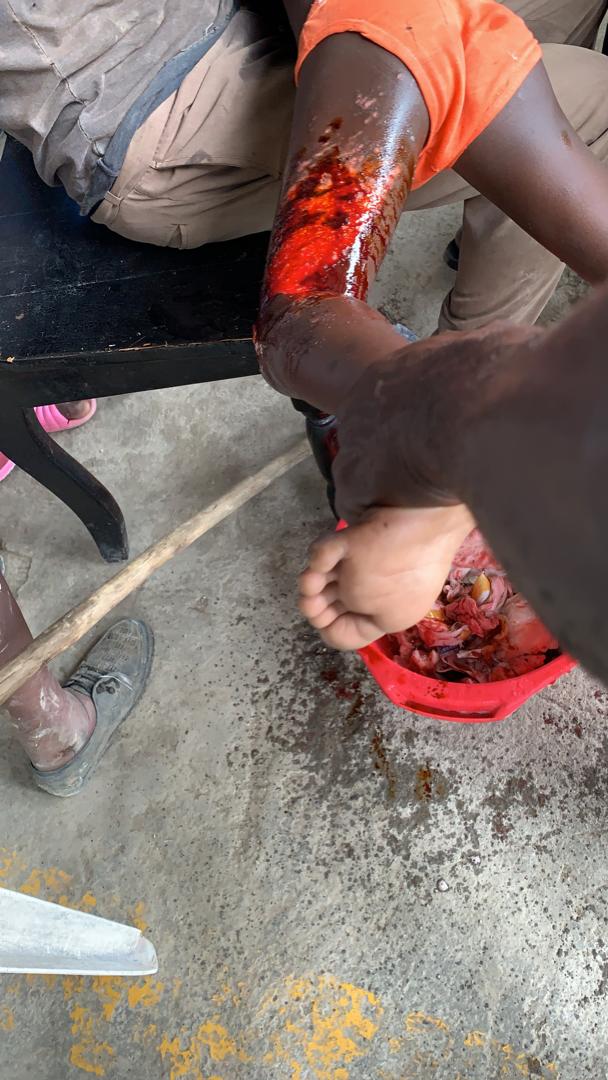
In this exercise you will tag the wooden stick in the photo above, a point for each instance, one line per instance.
(72, 626)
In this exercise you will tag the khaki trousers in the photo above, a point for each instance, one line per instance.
(206, 166)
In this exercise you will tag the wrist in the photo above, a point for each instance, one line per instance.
(316, 348)
(416, 428)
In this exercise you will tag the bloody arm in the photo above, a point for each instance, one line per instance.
(358, 127)
(359, 123)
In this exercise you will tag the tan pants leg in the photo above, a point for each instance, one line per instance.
(207, 164)
(503, 272)
(561, 22)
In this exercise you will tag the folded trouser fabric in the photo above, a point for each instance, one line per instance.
(207, 164)
(561, 22)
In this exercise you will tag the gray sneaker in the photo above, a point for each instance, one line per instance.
(114, 675)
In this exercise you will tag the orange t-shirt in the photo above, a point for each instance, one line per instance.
(469, 57)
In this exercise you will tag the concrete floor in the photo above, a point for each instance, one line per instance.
(337, 889)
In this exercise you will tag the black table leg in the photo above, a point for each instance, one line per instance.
(26, 443)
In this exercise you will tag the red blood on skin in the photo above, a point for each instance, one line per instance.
(333, 225)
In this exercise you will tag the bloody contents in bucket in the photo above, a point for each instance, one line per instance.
(479, 630)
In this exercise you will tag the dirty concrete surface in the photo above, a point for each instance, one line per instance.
(337, 889)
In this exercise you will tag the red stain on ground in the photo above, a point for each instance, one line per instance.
(382, 764)
(341, 692)
(429, 784)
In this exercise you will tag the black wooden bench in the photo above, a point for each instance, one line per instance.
(84, 313)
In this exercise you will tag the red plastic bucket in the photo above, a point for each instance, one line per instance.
(463, 703)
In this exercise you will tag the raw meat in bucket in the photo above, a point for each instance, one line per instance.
(479, 630)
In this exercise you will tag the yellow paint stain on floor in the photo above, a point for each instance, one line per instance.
(136, 916)
(7, 1018)
(324, 1026)
(148, 1034)
(181, 1060)
(219, 1043)
(474, 1038)
(41, 980)
(9, 861)
(230, 992)
(417, 1022)
(109, 990)
(309, 1027)
(94, 1003)
(211, 1042)
(146, 993)
(87, 1052)
(72, 984)
(48, 883)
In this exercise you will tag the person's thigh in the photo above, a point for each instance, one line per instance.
(445, 188)
(206, 166)
(561, 22)
(580, 82)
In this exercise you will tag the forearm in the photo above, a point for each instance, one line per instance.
(359, 123)
(316, 349)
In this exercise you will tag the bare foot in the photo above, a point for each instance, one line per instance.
(381, 576)
(74, 410)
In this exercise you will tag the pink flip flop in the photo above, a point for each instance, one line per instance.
(52, 420)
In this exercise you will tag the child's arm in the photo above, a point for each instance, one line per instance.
(532, 164)
(358, 126)
(361, 124)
